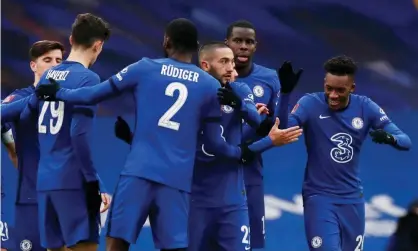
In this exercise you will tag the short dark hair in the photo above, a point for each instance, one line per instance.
(183, 35)
(88, 28)
(211, 46)
(41, 47)
(341, 66)
(239, 24)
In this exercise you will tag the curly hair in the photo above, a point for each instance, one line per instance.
(341, 66)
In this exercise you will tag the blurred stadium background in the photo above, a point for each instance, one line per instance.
(382, 35)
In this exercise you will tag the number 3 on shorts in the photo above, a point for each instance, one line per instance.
(246, 237)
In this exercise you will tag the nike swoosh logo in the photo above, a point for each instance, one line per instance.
(323, 117)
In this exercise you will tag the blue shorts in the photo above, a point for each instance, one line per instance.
(26, 229)
(5, 230)
(135, 199)
(331, 226)
(256, 209)
(225, 228)
(64, 219)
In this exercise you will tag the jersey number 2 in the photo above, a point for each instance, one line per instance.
(360, 243)
(165, 120)
(57, 113)
(4, 231)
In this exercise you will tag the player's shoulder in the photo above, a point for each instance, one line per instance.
(68, 66)
(265, 73)
(18, 94)
(361, 100)
(147, 61)
(92, 75)
(367, 104)
(312, 97)
(164, 61)
(241, 86)
(262, 70)
(208, 80)
(82, 77)
(169, 66)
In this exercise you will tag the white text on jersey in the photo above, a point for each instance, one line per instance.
(174, 72)
(57, 75)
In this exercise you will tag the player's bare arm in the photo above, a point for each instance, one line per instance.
(281, 137)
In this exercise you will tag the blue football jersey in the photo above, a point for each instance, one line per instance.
(19, 109)
(61, 164)
(172, 100)
(218, 181)
(265, 85)
(27, 149)
(4, 129)
(3, 194)
(333, 140)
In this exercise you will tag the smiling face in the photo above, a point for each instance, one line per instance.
(243, 43)
(337, 90)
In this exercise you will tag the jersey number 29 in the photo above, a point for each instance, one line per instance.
(57, 117)
(165, 120)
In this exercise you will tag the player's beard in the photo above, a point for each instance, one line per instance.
(214, 74)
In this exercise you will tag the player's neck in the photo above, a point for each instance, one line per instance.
(345, 106)
(80, 56)
(182, 57)
(245, 71)
(35, 83)
(347, 103)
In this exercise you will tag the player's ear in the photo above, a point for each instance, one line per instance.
(97, 46)
(165, 42)
(70, 39)
(32, 65)
(353, 87)
(204, 65)
(255, 46)
(226, 41)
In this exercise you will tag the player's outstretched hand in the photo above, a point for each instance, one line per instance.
(381, 137)
(288, 78)
(48, 91)
(226, 96)
(122, 130)
(286, 136)
(106, 200)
